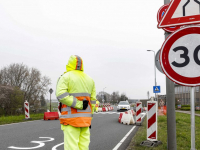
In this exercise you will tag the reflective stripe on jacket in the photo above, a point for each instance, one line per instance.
(72, 88)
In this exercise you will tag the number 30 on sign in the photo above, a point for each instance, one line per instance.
(180, 56)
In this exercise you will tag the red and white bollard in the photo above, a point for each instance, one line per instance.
(152, 120)
(138, 113)
(26, 107)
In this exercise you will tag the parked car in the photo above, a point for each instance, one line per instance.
(123, 105)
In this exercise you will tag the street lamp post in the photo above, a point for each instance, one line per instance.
(154, 68)
(103, 95)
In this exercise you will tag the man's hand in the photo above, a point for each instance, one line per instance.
(85, 104)
(90, 127)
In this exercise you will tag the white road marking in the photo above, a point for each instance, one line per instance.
(54, 148)
(41, 144)
(20, 122)
(124, 138)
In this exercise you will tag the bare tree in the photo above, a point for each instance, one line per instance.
(30, 81)
(11, 99)
(115, 97)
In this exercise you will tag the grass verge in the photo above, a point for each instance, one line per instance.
(183, 134)
(20, 118)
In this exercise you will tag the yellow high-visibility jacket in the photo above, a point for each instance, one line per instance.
(72, 88)
(97, 104)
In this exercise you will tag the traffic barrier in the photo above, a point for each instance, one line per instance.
(120, 117)
(99, 109)
(106, 108)
(164, 110)
(138, 113)
(26, 107)
(103, 109)
(132, 112)
(51, 116)
(127, 119)
(152, 121)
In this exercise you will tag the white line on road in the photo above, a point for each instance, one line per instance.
(54, 148)
(19, 122)
(41, 144)
(124, 138)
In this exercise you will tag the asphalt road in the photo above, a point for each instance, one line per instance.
(106, 134)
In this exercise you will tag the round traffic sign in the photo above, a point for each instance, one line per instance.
(157, 62)
(51, 90)
(161, 13)
(180, 56)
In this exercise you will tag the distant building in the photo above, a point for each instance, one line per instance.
(144, 102)
(182, 94)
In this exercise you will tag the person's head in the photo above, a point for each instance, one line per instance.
(75, 63)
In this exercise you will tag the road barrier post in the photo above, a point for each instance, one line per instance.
(138, 113)
(26, 107)
(152, 131)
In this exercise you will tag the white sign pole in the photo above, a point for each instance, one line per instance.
(192, 118)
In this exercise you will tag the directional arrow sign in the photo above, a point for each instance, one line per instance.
(181, 12)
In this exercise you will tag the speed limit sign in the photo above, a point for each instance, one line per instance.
(180, 56)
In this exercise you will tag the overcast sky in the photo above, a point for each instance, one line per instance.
(111, 36)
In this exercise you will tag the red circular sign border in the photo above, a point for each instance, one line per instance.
(159, 17)
(164, 60)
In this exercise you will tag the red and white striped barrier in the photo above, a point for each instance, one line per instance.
(144, 109)
(138, 112)
(26, 107)
(126, 118)
(120, 117)
(152, 120)
(131, 112)
(99, 109)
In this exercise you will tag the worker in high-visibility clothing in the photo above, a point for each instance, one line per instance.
(77, 94)
(97, 105)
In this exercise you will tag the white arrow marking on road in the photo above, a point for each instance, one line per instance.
(54, 148)
(41, 144)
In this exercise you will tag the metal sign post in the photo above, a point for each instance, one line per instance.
(182, 68)
(192, 116)
(50, 91)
